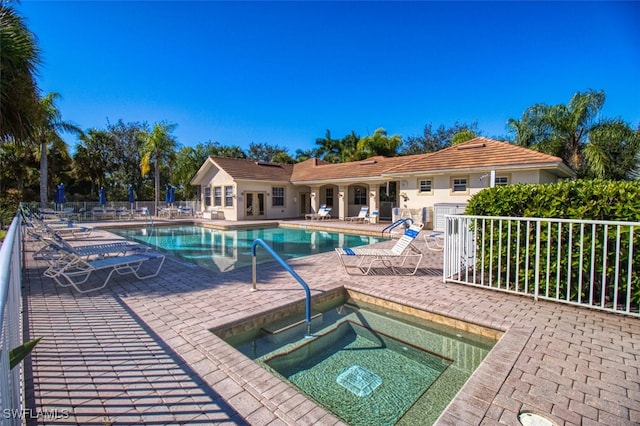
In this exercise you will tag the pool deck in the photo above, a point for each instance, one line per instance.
(142, 351)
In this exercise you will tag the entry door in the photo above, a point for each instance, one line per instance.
(388, 200)
(254, 205)
(305, 204)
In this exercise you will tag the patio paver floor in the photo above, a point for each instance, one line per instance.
(142, 352)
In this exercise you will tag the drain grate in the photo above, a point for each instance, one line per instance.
(358, 380)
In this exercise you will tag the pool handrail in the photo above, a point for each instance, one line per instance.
(287, 268)
(397, 223)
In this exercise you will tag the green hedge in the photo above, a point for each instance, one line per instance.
(579, 248)
(579, 199)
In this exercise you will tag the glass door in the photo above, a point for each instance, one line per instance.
(254, 205)
(305, 204)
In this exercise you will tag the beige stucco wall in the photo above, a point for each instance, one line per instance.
(442, 184)
(289, 210)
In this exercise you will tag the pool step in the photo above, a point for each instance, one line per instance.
(279, 327)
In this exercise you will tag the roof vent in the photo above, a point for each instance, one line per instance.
(472, 146)
(262, 163)
(366, 162)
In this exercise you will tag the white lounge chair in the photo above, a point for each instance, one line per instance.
(323, 213)
(402, 255)
(51, 243)
(435, 241)
(362, 215)
(72, 270)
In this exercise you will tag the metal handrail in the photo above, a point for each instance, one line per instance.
(11, 321)
(289, 270)
(397, 223)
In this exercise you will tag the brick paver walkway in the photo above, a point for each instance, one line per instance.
(142, 351)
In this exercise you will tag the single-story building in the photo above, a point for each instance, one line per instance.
(395, 186)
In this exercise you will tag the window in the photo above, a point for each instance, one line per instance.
(228, 196)
(328, 197)
(217, 196)
(277, 196)
(425, 186)
(502, 181)
(207, 196)
(459, 184)
(360, 195)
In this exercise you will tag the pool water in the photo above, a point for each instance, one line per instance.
(370, 366)
(226, 250)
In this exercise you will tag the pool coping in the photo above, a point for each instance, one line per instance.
(476, 393)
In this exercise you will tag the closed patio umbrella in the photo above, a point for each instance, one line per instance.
(60, 195)
(172, 194)
(132, 197)
(102, 197)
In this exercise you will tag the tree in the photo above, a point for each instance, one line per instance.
(435, 140)
(158, 149)
(19, 59)
(304, 154)
(231, 151)
(348, 147)
(268, 153)
(611, 151)
(379, 144)
(574, 132)
(47, 129)
(462, 136)
(188, 161)
(95, 158)
(128, 141)
(328, 148)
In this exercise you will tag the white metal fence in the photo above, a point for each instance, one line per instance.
(11, 403)
(582, 262)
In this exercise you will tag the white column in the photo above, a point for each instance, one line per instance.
(342, 202)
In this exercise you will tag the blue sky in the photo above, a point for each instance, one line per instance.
(283, 73)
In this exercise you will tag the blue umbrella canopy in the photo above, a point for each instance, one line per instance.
(132, 197)
(102, 197)
(60, 196)
(172, 194)
(167, 195)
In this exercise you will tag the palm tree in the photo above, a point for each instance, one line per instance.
(19, 58)
(569, 130)
(47, 129)
(379, 144)
(328, 148)
(158, 148)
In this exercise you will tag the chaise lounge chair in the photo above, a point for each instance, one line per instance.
(364, 212)
(73, 270)
(402, 255)
(435, 241)
(52, 243)
(323, 213)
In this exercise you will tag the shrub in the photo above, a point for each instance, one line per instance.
(577, 262)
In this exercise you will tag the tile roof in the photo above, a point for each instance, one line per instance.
(371, 167)
(479, 153)
(240, 169)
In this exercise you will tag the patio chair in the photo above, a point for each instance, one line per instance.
(64, 228)
(73, 270)
(364, 211)
(402, 255)
(435, 241)
(323, 213)
(51, 243)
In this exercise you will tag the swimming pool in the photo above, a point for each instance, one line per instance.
(366, 364)
(225, 250)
